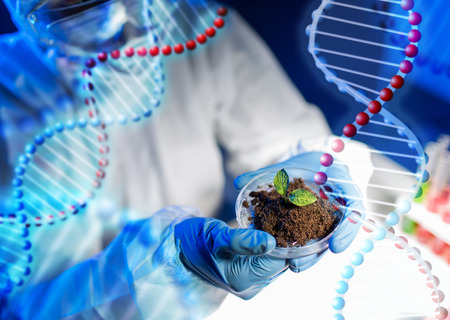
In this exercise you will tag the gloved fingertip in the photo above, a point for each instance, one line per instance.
(242, 180)
(294, 269)
(341, 242)
(237, 183)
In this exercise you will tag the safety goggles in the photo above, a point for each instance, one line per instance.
(66, 20)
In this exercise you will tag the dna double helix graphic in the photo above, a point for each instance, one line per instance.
(66, 163)
(351, 47)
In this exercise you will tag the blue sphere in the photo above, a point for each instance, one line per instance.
(17, 182)
(338, 317)
(59, 127)
(338, 303)
(30, 148)
(392, 219)
(366, 245)
(18, 194)
(48, 132)
(22, 218)
(70, 124)
(39, 140)
(19, 170)
(82, 122)
(95, 122)
(357, 259)
(341, 287)
(427, 158)
(404, 206)
(25, 233)
(19, 206)
(379, 234)
(27, 245)
(24, 159)
(347, 272)
(426, 176)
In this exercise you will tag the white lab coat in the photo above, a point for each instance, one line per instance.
(230, 96)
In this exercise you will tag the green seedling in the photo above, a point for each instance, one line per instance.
(298, 197)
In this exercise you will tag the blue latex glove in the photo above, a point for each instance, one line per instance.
(233, 259)
(344, 235)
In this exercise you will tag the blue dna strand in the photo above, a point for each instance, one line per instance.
(60, 171)
(123, 88)
(350, 44)
(15, 256)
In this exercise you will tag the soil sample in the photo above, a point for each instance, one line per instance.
(291, 225)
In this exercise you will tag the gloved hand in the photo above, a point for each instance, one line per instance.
(233, 259)
(344, 235)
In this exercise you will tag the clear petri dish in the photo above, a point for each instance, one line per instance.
(313, 248)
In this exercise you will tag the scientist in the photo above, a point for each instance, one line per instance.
(229, 109)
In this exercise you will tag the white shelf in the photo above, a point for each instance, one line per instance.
(432, 222)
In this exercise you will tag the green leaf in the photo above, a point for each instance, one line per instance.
(301, 197)
(281, 182)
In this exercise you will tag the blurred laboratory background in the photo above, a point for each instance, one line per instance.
(423, 104)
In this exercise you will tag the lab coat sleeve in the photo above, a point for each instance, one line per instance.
(261, 114)
(139, 275)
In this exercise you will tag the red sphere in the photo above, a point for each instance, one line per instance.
(349, 130)
(386, 94)
(210, 32)
(115, 54)
(103, 162)
(374, 107)
(154, 51)
(166, 50)
(102, 56)
(104, 149)
(411, 51)
(191, 45)
(129, 52)
(414, 35)
(96, 184)
(397, 82)
(219, 23)
(100, 174)
(406, 66)
(178, 48)
(222, 11)
(90, 63)
(407, 4)
(362, 118)
(142, 51)
(102, 137)
(86, 73)
(415, 18)
(93, 113)
(201, 38)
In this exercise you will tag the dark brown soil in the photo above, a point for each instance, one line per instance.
(290, 224)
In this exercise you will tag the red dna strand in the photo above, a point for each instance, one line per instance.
(184, 24)
(350, 47)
